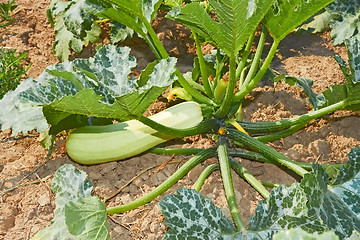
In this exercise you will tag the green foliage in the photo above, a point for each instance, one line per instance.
(5, 11)
(346, 20)
(234, 27)
(78, 215)
(11, 69)
(100, 86)
(285, 16)
(315, 206)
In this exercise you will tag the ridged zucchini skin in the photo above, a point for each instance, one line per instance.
(99, 144)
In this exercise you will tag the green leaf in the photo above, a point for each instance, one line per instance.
(69, 185)
(319, 22)
(132, 13)
(346, 20)
(237, 21)
(299, 234)
(119, 32)
(284, 209)
(286, 15)
(87, 218)
(74, 25)
(336, 204)
(100, 86)
(192, 216)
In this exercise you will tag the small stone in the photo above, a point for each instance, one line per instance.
(44, 200)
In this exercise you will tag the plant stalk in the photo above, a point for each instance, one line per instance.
(168, 183)
(239, 96)
(175, 151)
(256, 60)
(203, 70)
(228, 184)
(245, 174)
(277, 158)
(203, 127)
(204, 175)
(226, 104)
(262, 127)
(159, 49)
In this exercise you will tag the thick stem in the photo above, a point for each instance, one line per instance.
(239, 96)
(245, 174)
(256, 60)
(203, 70)
(159, 49)
(281, 134)
(242, 153)
(226, 104)
(181, 172)
(203, 127)
(261, 127)
(204, 175)
(241, 138)
(228, 184)
(176, 151)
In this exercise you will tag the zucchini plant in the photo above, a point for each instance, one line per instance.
(88, 94)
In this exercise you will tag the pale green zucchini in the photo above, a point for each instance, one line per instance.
(99, 144)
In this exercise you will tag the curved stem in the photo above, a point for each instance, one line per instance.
(176, 151)
(239, 96)
(160, 51)
(281, 134)
(256, 60)
(245, 174)
(168, 183)
(245, 56)
(203, 70)
(228, 184)
(271, 153)
(204, 175)
(226, 104)
(203, 127)
(261, 127)
(242, 153)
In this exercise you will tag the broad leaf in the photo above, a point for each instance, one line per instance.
(299, 234)
(284, 209)
(237, 21)
(192, 216)
(119, 32)
(100, 86)
(69, 185)
(132, 13)
(286, 15)
(319, 22)
(338, 205)
(87, 218)
(346, 20)
(74, 25)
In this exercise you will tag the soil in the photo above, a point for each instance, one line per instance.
(27, 203)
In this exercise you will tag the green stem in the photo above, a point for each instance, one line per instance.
(245, 174)
(168, 183)
(204, 175)
(226, 104)
(256, 60)
(269, 152)
(228, 184)
(239, 96)
(203, 70)
(160, 51)
(203, 127)
(245, 55)
(242, 153)
(281, 134)
(270, 184)
(176, 151)
(261, 127)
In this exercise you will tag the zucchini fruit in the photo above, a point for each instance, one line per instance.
(100, 144)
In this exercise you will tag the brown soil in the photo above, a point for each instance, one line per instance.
(26, 209)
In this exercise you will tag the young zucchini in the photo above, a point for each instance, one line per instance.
(99, 144)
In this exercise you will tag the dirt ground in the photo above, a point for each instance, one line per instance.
(26, 209)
